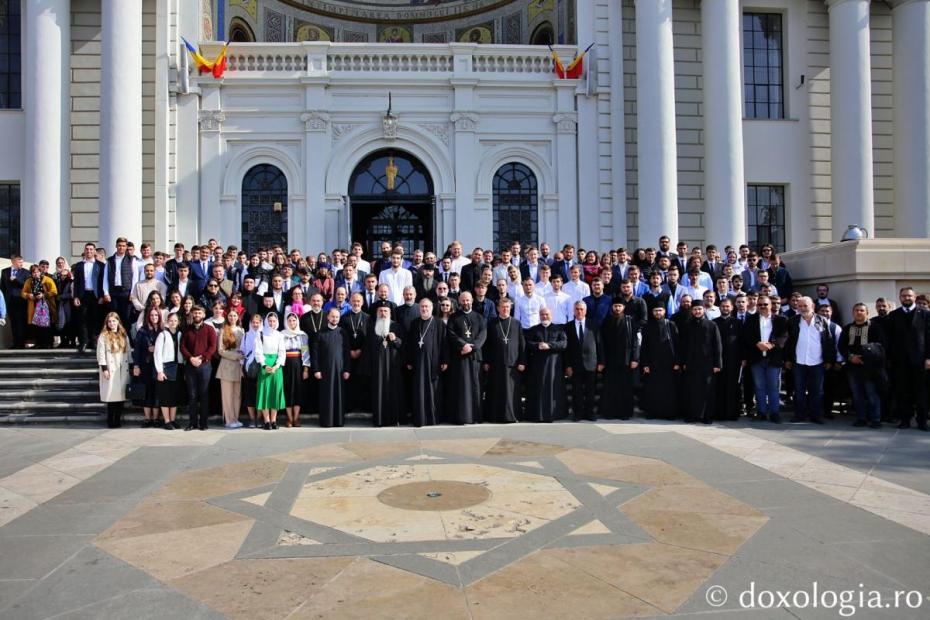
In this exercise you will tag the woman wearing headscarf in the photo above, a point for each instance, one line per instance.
(296, 367)
(143, 358)
(40, 292)
(167, 360)
(269, 391)
(229, 371)
(247, 348)
(113, 357)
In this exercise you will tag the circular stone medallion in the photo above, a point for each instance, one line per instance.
(434, 495)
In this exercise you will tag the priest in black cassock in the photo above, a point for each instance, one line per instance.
(545, 344)
(658, 358)
(701, 358)
(383, 359)
(505, 362)
(312, 323)
(329, 359)
(621, 359)
(427, 357)
(354, 326)
(728, 390)
(467, 334)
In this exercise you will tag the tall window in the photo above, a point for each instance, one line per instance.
(516, 216)
(10, 89)
(763, 77)
(766, 205)
(9, 219)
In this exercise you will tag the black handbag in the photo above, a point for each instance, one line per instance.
(255, 367)
(170, 370)
(135, 391)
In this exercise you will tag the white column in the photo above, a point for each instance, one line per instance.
(45, 177)
(851, 116)
(724, 191)
(911, 62)
(121, 121)
(656, 147)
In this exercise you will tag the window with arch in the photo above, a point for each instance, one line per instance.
(516, 200)
(240, 31)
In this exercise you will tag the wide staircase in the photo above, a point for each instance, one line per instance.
(49, 385)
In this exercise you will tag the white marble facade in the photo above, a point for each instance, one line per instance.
(651, 140)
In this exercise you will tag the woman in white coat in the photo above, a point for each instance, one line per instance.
(114, 356)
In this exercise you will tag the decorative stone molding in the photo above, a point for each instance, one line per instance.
(440, 130)
(315, 121)
(211, 120)
(465, 121)
(340, 130)
(566, 122)
(389, 124)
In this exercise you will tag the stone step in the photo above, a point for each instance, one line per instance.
(59, 361)
(51, 405)
(50, 372)
(64, 395)
(49, 384)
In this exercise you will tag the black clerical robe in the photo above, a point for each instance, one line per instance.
(426, 350)
(503, 352)
(700, 352)
(546, 392)
(311, 323)
(658, 353)
(464, 369)
(329, 356)
(728, 390)
(355, 327)
(383, 360)
(621, 348)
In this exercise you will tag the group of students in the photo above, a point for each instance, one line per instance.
(488, 337)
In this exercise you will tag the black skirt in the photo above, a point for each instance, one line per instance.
(293, 381)
(248, 391)
(169, 393)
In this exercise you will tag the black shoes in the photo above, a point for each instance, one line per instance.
(147, 423)
(190, 427)
(274, 426)
(267, 426)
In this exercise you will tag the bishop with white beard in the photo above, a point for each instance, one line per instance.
(383, 359)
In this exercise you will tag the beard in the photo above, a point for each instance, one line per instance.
(382, 327)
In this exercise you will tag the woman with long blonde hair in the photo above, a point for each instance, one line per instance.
(113, 357)
(229, 371)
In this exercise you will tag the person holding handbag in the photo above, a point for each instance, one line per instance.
(250, 366)
(114, 358)
(168, 387)
(229, 371)
(143, 371)
(40, 293)
(269, 391)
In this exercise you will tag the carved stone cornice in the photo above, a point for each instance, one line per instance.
(465, 121)
(211, 120)
(566, 122)
(440, 130)
(315, 121)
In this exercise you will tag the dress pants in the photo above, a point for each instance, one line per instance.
(198, 394)
(910, 392)
(16, 307)
(232, 400)
(120, 304)
(87, 320)
(584, 383)
(808, 392)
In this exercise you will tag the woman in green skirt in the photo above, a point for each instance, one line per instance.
(270, 353)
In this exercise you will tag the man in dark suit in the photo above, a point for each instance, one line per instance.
(200, 270)
(119, 277)
(713, 265)
(907, 332)
(471, 272)
(12, 280)
(584, 358)
(171, 266)
(88, 296)
(530, 267)
(764, 335)
(811, 350)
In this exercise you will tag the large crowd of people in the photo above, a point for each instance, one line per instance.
(518, 334)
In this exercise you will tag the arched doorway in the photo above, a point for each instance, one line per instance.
(264, 208)
(391, 199)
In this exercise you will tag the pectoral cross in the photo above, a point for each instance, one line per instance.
(468, 330)
(421, 343)
(384, 343)
(506, 339)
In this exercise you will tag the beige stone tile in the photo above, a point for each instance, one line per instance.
(543, 504)
(328, 453)
(293, 539)
(511, 480)
(898, 502)
(217, 481)
(461, 447)
(368, 590)
(13, 505)
(142, 437)
(533, 464)
(73, 459)
(716, 533)
(584, 461)
(320, 470)
(661, 575)
(602, 489)
(260, 589)
(871, 483)
(258, 500)
(464, 472)
(371, 451)
(179, 553)
(485, 521)
(39, 483)
(695, 499)
(913, 520)
(455, 559)
(824, 472)
(594, 527)
(836, 491)
(155, 516)
(367, 482)
(637, 428)
(544, 586)
(514, 447)
(424, 457)
(369, 518)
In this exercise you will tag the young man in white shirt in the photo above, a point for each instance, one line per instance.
(397, 278)
(528, 306)
(576, 288)
(558, 301)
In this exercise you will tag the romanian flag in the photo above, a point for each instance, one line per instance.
(557, 64)
(217, 67)
(576, 67)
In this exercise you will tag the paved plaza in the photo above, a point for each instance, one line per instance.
(611, 520)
